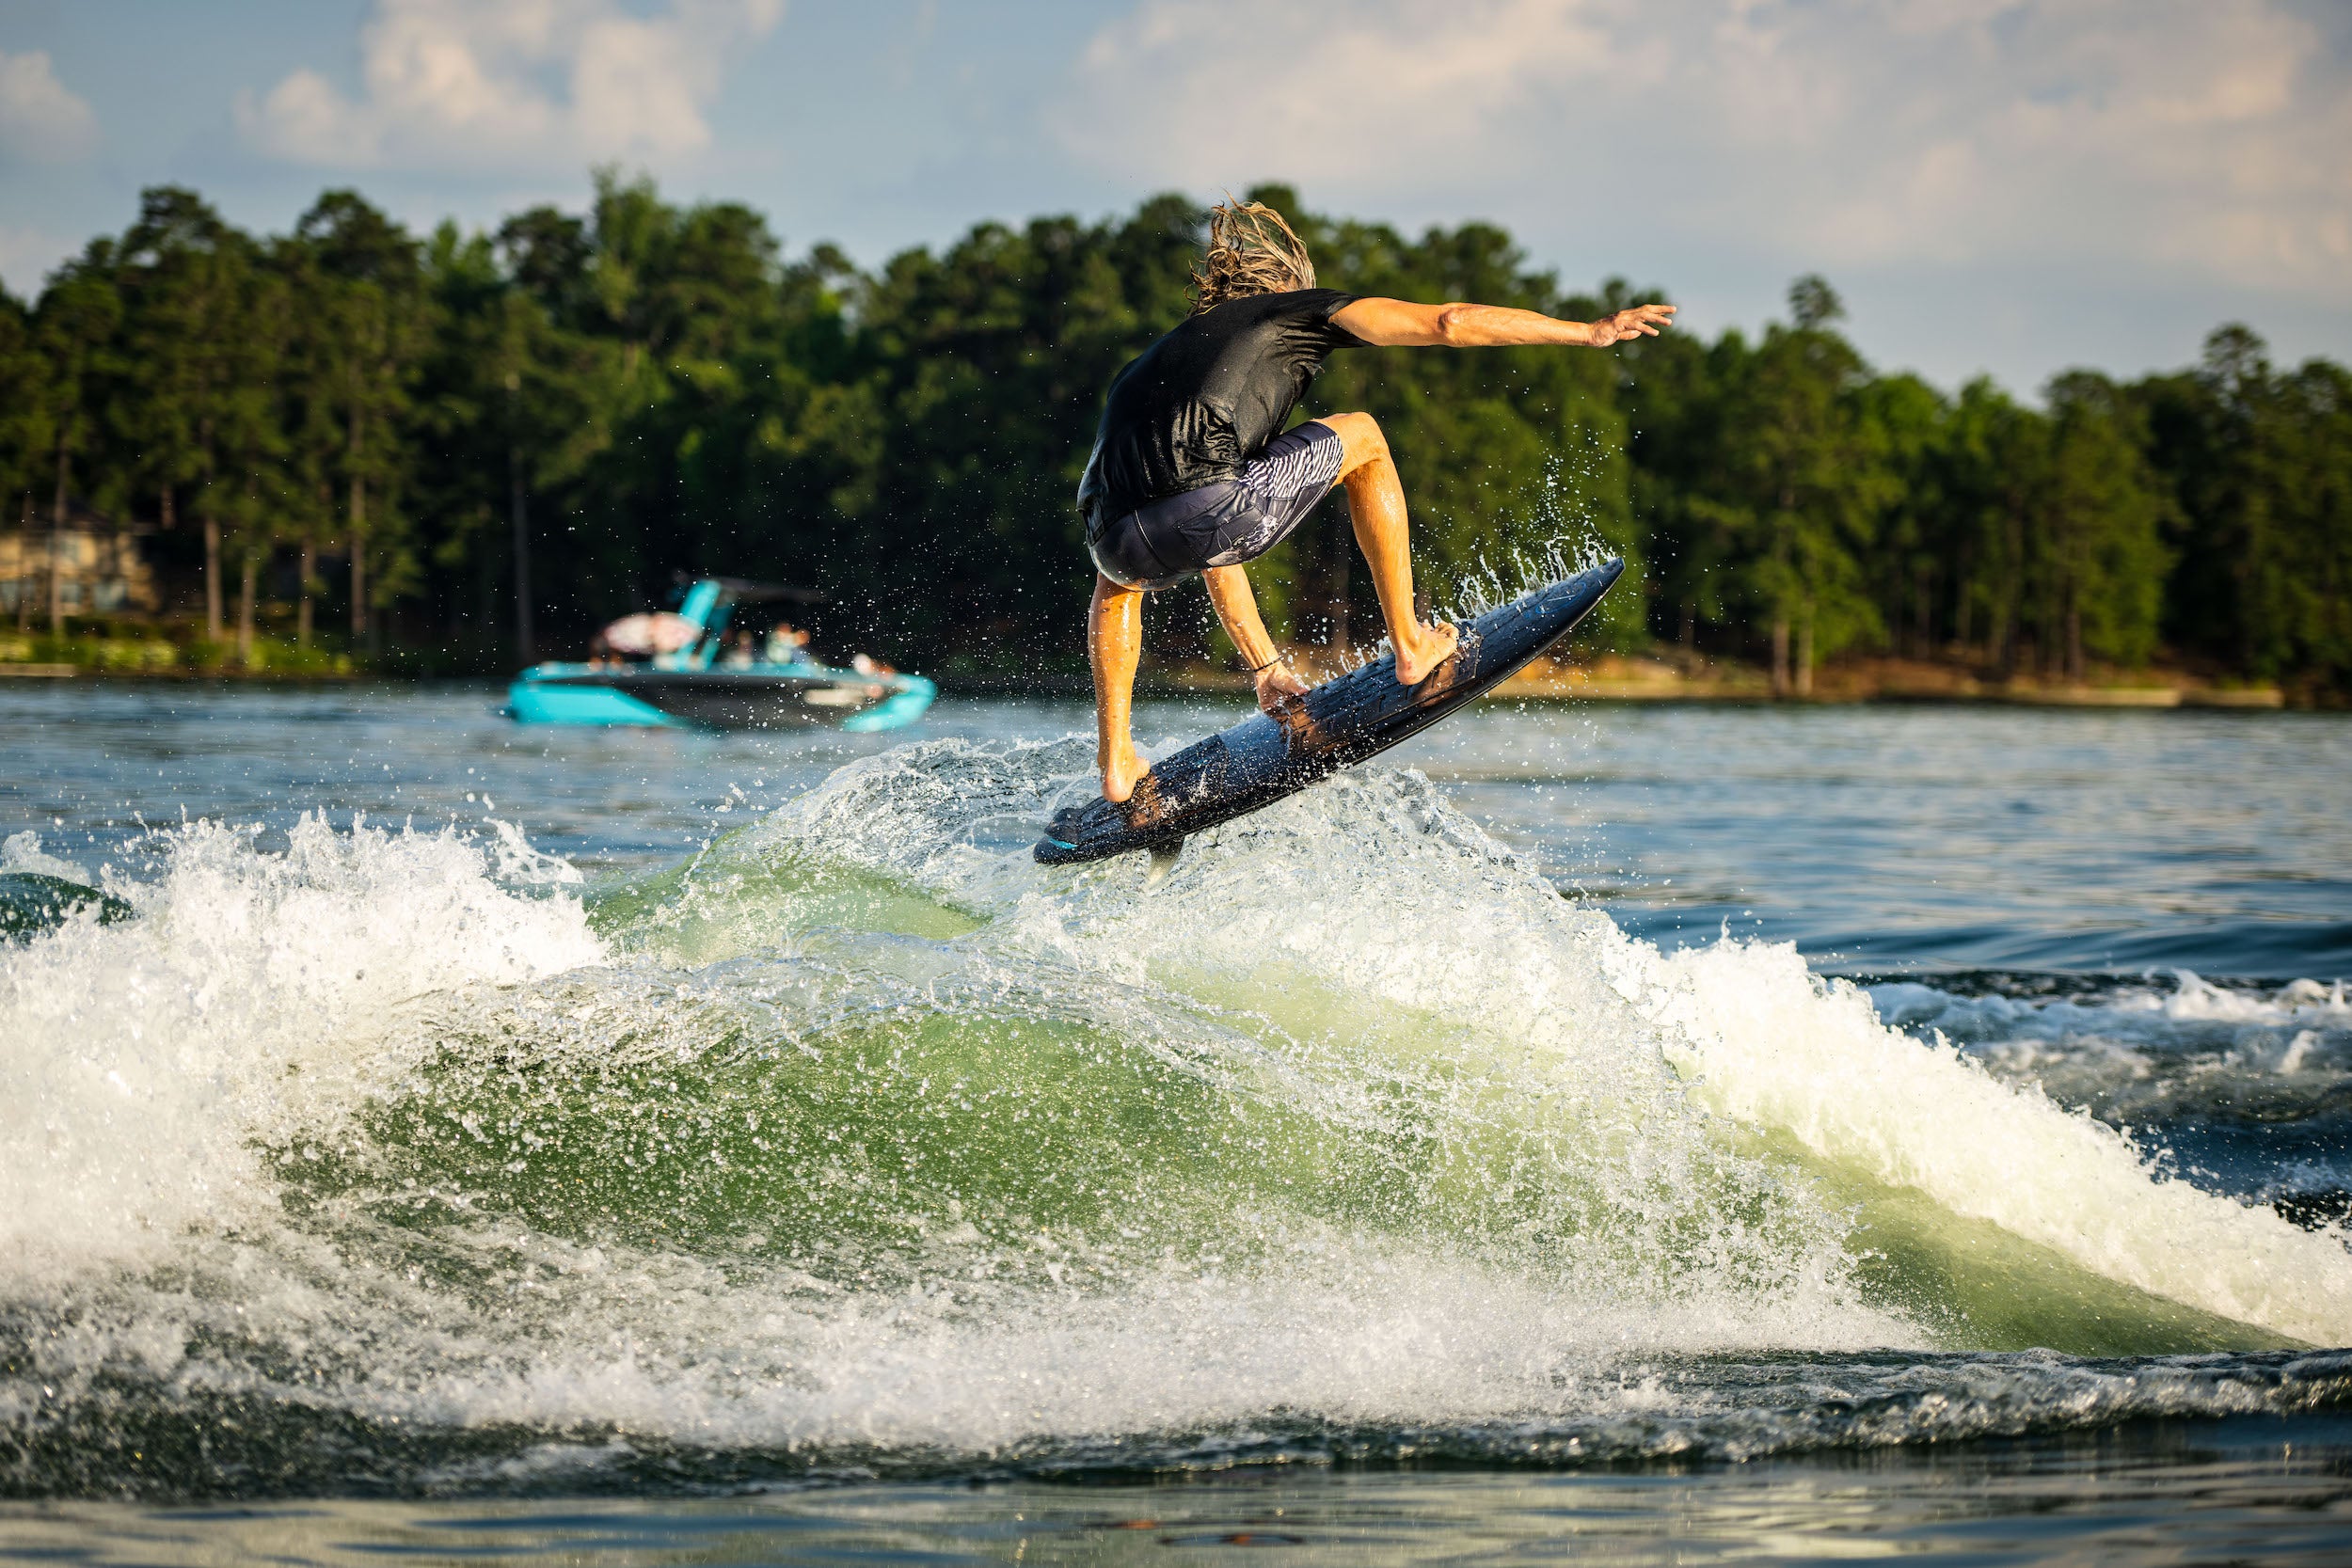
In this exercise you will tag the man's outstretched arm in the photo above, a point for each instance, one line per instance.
(1401, 324)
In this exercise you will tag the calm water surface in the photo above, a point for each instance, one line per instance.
(1882, 837)
(1651, 1133)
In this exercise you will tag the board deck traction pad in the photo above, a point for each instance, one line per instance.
(1338, 723)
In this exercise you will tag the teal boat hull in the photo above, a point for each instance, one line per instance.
(896, 712)
(530, 701)
(758, 697)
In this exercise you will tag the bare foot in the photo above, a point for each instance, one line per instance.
(1430, 647)
(1121, 772)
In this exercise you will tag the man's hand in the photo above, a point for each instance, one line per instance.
(1277, 685)
(1237, 608)
(1643, 321)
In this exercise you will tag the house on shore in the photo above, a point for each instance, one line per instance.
(97, 560)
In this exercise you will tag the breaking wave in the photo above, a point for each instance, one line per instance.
(401, 1160)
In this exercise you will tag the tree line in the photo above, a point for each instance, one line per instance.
(451, 451)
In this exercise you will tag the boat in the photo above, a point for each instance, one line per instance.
(687, 684)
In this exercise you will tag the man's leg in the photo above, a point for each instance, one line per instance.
(1375, 504)
(1115, 644)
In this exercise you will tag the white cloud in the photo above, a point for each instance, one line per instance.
(512, 84)
(27, 256)
(1194, 89)
(2204, 137)
(40, 119)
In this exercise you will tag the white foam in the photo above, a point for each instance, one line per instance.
(22, 852)
(2193, 998)
(1423, 1338)
(138, 1061)
(1768, 1042)
(2140, 1013)
(2145, 1052)
(672, 1346)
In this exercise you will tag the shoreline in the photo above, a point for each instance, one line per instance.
(1609, 678)
(1621, 678)
(29, 673)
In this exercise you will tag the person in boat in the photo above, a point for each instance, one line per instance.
(788, 644)
(1192, 471)
(650, 635)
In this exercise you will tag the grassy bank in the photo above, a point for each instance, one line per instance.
(165, 651)
(1615, 677)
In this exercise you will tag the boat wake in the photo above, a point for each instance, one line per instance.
(860, 1144)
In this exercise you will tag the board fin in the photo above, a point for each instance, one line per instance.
(1163, 862)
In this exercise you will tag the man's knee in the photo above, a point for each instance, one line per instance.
(1361, 441)
(1115, 600)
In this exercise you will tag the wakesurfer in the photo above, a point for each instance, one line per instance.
(1192, 471)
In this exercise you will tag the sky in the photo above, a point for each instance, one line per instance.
(2010, 187)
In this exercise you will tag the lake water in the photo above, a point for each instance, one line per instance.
(1652, 1134)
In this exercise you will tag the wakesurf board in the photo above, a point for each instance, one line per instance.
(1338, 723)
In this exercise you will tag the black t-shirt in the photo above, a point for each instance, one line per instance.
(1193, 407)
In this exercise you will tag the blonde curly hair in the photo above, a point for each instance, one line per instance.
(1250, 251)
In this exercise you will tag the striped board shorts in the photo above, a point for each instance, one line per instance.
(1222, 524)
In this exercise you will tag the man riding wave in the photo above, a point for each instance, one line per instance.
(1192, 471)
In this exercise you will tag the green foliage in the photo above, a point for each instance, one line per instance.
(365, 417)
(23, 405)
(2104, 563)
(2260, 463)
